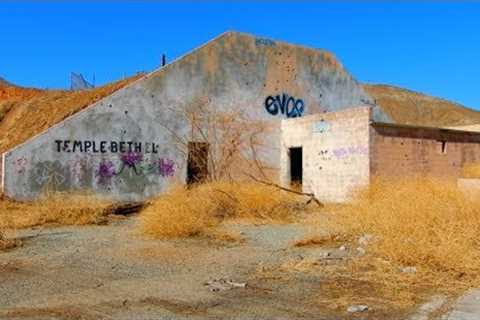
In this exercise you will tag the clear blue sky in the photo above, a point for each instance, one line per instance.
(428, 47)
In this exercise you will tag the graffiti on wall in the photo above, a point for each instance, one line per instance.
(135, 163)
(344, 152)
(320, 127)
(264, 42)
(285, 105)
(51, 174)
(130, 165)
(86, 146)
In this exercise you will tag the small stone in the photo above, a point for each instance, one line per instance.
(342, 248)
(409, 270)
(365, 239)
(357, 308)
(325, 254)
(216, 285)
(361, 251)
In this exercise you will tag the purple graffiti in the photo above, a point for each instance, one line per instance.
(131, 159)
(350, 151)
(105, 171)
(166, 167)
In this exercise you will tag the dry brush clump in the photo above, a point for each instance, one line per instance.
(427, 224)
(64, 209)
(185, 212)
(471, 171)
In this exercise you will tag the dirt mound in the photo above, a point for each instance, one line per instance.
(414, 108)
(25, 112)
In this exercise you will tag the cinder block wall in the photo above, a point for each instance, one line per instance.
(403, 151)
(336, 150)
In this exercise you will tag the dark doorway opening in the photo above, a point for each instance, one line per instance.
(296, 168)
(197, 166)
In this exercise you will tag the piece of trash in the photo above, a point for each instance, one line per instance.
(409, 270)
(361, 251)
(365, 239)
(342, 248)
(357, 308)
(325, 254)
(223, 284)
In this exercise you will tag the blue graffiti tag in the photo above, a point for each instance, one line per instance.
(285, 104)
(264, 42)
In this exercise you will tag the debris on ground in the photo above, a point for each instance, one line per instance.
(357, 308)
(365, 239)
(409, 270)
(223, 284)
(361, 251)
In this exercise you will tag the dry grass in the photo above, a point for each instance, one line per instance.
(183, 212)
(53, 209)
(409, 107)
(25, 112)
(321, 240)
(426, 224)
(471, 171)
(6, 243)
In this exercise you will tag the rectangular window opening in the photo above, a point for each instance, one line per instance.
(444, 147)
(296, 167)
(197, 162)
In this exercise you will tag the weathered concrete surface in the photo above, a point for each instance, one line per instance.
(426, 310)
(336, 156)
(123, 146)
(466, 308)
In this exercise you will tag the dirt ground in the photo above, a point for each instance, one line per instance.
(111, 272)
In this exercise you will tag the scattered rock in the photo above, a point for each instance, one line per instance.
(409, 270)
(365, 239)
(223, 284)
(325, 254)
(342, 248)
(361, 251)
(357, 308)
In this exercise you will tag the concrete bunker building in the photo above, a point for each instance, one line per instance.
(320, 129)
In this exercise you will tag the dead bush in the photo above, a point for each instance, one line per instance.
(423, 223)
(471, 171)
(65, 209)
(184, 212)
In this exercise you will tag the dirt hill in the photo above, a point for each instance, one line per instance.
(25, 112)
(410, 107)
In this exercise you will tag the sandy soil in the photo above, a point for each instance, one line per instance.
(110, 272)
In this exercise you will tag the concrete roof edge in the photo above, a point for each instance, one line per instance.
(410, 126)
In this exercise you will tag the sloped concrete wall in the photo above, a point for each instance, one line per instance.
(123, 146)
(336, 152)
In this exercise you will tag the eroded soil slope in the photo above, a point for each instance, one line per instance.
(26, 112)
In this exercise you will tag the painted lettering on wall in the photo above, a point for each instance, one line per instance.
(264, 42)
(92, 146)
(340, 153)
(284, 104)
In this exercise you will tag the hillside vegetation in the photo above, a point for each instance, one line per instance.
(409, 107)
(26, 112)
